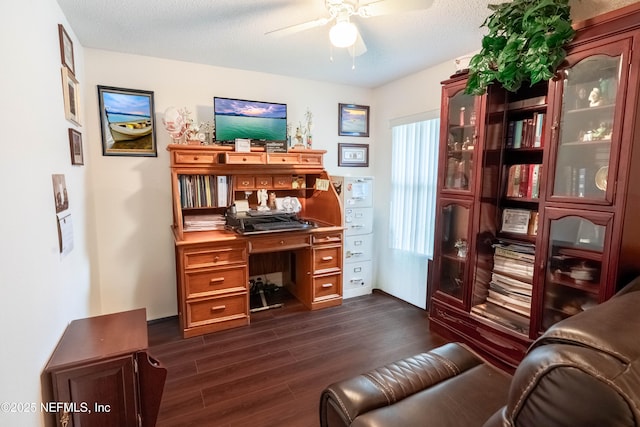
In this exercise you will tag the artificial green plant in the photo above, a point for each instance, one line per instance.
(525, 43)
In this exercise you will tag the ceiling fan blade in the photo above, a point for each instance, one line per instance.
(292, 29)
(387, 7)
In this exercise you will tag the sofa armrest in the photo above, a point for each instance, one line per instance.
(343, 401)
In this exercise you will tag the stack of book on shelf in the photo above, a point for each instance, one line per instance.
(524, 181)
(509, 295)
(526, 133)
(204, 222)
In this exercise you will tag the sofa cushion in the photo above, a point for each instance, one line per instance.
(392, 384)
(465, 400)
(585, 370)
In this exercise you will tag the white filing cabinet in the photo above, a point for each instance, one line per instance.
(357, 200)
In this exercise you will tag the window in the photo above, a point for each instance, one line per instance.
(414, 174)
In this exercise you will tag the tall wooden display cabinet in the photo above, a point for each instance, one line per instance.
(537, 194)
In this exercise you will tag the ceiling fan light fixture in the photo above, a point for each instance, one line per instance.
(343, 34)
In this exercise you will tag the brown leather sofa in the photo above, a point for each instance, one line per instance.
(584, 371)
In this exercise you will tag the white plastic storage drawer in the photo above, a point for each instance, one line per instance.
(357, 275)
(358, 248)
(358, 192)
(358, 221)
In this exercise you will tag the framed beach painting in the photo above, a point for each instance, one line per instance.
(353, 120)
(127, 122)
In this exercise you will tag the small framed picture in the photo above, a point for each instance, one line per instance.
(353, 120)
(71, 93)
(75, 144)
(355, 155)
(66, 49)
(515, 221)
(127, 122)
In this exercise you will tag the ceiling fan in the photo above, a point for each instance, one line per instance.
(344, 33)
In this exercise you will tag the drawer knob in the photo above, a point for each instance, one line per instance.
(327, 285)
(284, 160)
(216, 280)
(244, 159)
(282, 242)
(196, 158)
(218, 307)
(245, 183)
(216, 258)
(327, 258)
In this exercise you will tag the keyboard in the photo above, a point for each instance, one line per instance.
(281, 225)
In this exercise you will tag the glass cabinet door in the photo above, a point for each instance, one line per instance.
(589, 124)
(576, 267)
(452, 243)
(461, 123)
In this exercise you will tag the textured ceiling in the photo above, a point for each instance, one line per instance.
(231, 33)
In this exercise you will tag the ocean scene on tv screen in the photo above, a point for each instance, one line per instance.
(236, 118)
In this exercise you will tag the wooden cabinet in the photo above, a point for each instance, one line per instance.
(102, 375)
(213, 263)
(544, 205)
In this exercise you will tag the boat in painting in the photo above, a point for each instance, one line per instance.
(127, 131)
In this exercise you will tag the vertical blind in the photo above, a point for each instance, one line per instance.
(414, 174)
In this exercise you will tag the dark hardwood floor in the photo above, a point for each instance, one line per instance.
(271, 373)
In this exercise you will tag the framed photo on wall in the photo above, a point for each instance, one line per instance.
(353, 120)
(71, 93)
(127, 122)
(355, 155)
(66, 49)
(75, 145)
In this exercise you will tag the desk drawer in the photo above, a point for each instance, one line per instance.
(209, 282)
(283, 159)
(282, 182)
(217, 309)
(311, 159)
(319, 239)
(279, 242)
(217, 256)
(245, 158)
(326, 260)
(325, 287)
(244, 182)
(191, 158)
(263, 181)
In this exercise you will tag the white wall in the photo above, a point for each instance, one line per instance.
(41, 292)
(133, 195)
(400, 273)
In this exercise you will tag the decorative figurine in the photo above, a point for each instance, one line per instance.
(595, 99)
(262, 200)
(461, 245)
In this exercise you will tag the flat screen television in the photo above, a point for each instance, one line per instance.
(255, 120)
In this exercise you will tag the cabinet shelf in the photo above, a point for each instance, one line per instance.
(583, 144)
(559, 279)
(591, 110)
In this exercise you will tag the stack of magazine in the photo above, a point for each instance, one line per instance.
(509, 295)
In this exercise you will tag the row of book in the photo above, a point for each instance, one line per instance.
(526, 133)
(523, 180)
(508, 301)
(203, 191)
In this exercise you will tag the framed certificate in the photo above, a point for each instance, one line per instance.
(515, 221)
